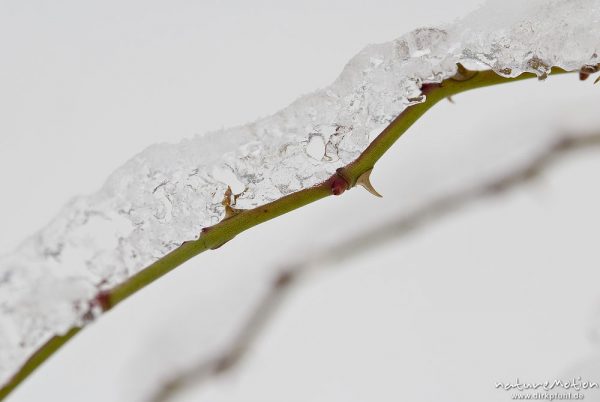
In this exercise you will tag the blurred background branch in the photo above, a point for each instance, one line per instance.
(229, 358)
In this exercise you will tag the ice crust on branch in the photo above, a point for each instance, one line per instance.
(166, 194)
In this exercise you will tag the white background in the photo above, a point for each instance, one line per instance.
(506, 288)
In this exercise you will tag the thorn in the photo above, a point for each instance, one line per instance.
(364, 180)
(588, 70)
(597, 80)
(227, 196)
(229, 210)
(450, 99)
(462, 73)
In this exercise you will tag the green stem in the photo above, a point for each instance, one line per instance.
(217, 235)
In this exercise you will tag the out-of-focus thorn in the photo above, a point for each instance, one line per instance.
(462, 73)
(364, 180)
(450, 99)
(597, 80)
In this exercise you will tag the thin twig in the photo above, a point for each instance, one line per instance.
(267, 306)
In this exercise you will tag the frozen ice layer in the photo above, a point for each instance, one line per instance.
(166, 194)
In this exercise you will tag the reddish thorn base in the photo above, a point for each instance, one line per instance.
(338, 185)
(428, 87)
(102, 300)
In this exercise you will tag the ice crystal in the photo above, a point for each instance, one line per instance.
(169, 192)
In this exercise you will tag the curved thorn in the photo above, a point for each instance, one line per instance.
(364, 180)
(462, 73)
